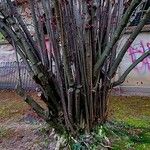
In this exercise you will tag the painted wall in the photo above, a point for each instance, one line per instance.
(140, 75)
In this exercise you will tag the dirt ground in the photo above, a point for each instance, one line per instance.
(22, 129)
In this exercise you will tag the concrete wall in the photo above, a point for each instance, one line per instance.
(7, 53)
(138, 81)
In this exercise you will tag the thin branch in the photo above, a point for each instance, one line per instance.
(65, 50)
(19, 51)
(34, 105)
(124, 75)
(36, 25)
(129, 42)
(23, 26)
(17, 60)
(70, 103)
(117, 34)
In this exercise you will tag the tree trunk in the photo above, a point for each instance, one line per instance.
(75, 77)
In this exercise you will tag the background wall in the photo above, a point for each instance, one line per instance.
(139, 78)
(137, 82)
(7, 53)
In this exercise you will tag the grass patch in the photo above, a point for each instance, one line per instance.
(134, 111)
(126, 137)
(131, 128)
(2, 39)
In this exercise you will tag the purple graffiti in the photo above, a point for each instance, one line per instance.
(135, 51)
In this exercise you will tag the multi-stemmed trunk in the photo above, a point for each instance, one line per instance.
(76, 76)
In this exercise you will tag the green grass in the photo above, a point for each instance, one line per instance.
(129, 126)
(126, 137)
(1, 38)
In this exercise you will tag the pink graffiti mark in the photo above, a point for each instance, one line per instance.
(135, 51)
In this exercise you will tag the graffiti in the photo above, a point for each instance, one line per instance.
(135, 51)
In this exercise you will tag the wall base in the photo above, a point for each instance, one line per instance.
(132, 91)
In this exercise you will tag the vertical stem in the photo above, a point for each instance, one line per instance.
(70, 104)
(77, 105)
(17, 59)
